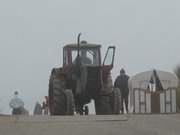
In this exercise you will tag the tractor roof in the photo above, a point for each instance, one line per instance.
(88, 45)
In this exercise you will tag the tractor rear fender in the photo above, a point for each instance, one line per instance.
(58, 72)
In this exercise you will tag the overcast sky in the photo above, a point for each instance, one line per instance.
(146, 34)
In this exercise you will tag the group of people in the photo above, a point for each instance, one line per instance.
(18, 108)
(42, 109)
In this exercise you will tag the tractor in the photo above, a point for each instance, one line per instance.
(82, 78)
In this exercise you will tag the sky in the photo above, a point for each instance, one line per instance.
(32, 33)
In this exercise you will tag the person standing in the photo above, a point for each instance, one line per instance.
(121, 82)
(16, 104)
(45, 105)
(38, 109)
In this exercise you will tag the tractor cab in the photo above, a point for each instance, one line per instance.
(89, 54)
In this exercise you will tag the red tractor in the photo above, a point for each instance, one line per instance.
(83, 77)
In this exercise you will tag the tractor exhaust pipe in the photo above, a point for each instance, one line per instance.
(78, 43)
(78, 63)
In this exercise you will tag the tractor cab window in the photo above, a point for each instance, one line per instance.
(74, 55)
(109, 58)
(87, 56)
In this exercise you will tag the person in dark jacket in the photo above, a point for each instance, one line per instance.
(38, 109)
(121, 82)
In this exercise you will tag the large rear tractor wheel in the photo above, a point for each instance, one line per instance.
(103, 105)
(110, 104)
(70, 106)
(61, 101)
(116, 101)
